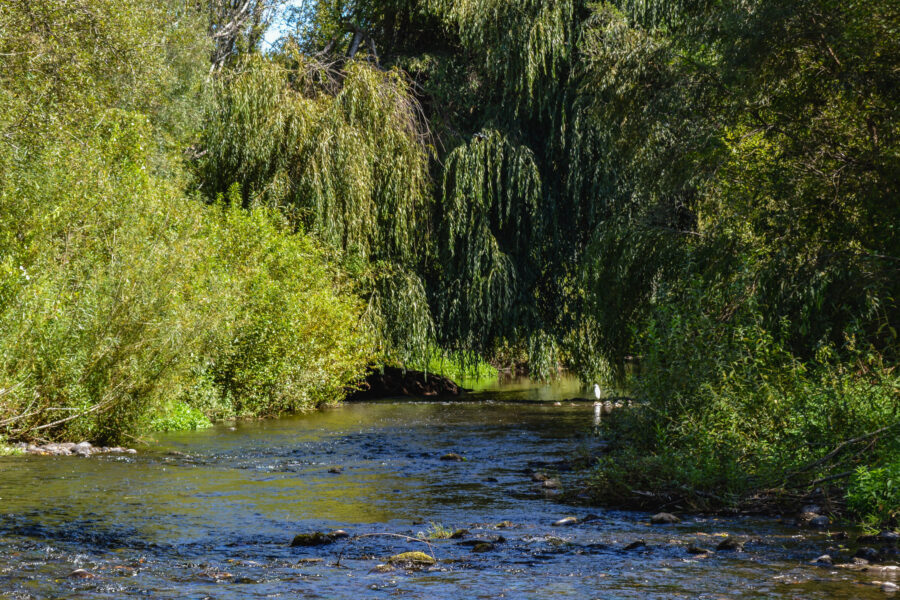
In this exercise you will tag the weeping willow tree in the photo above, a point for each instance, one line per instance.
(569, 177)
(591, 159)
(513, 215)
(490, 227)
(344, 152)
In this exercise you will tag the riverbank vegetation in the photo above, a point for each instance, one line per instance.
(125, 300)
(200, 227)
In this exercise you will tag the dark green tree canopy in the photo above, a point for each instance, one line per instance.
(552, 171)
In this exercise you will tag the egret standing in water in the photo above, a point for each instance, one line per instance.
(598, 406)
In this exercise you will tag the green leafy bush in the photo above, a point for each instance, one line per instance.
(874, 493)
(125, 303)
(293, 339)
(729, 411)
(178, 416)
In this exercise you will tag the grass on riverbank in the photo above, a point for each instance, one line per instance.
(6, 450)
(455, 366)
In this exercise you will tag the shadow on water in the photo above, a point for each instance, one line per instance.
(210, 514)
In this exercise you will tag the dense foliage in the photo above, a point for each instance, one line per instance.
(707, 186)
(122, 299)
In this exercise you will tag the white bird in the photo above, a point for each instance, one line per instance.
(597, 392)
(598, 406)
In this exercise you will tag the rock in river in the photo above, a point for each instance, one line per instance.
(819, 522)
(664, 519)
(81, 574)
(730, 544)
(411, 559)
(566, 521)
(453, 456)
(869, 554)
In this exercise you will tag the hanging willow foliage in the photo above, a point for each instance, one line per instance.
(614, 139)
(490, 225)
(345, 154)
(523, 45)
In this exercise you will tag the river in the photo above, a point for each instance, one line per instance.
(211, 514)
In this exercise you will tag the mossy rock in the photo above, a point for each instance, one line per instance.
(416, 559)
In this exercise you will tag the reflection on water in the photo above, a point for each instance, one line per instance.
(210, 514)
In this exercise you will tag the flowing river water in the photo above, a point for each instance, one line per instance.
(211, 514)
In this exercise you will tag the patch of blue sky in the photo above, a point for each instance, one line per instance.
(280, 25)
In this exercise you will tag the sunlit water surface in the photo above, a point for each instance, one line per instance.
(211, 514)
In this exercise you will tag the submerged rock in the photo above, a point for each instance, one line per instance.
(635, 545)
(317, 538)
(692, 549)
(730, 544)
(869, 554)
(566, 521)
(483, 547)
(664, 519)
(825, 560)
(551, 484)
(383, 568)
(453, 456)
(479, 541)
(459, 534)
